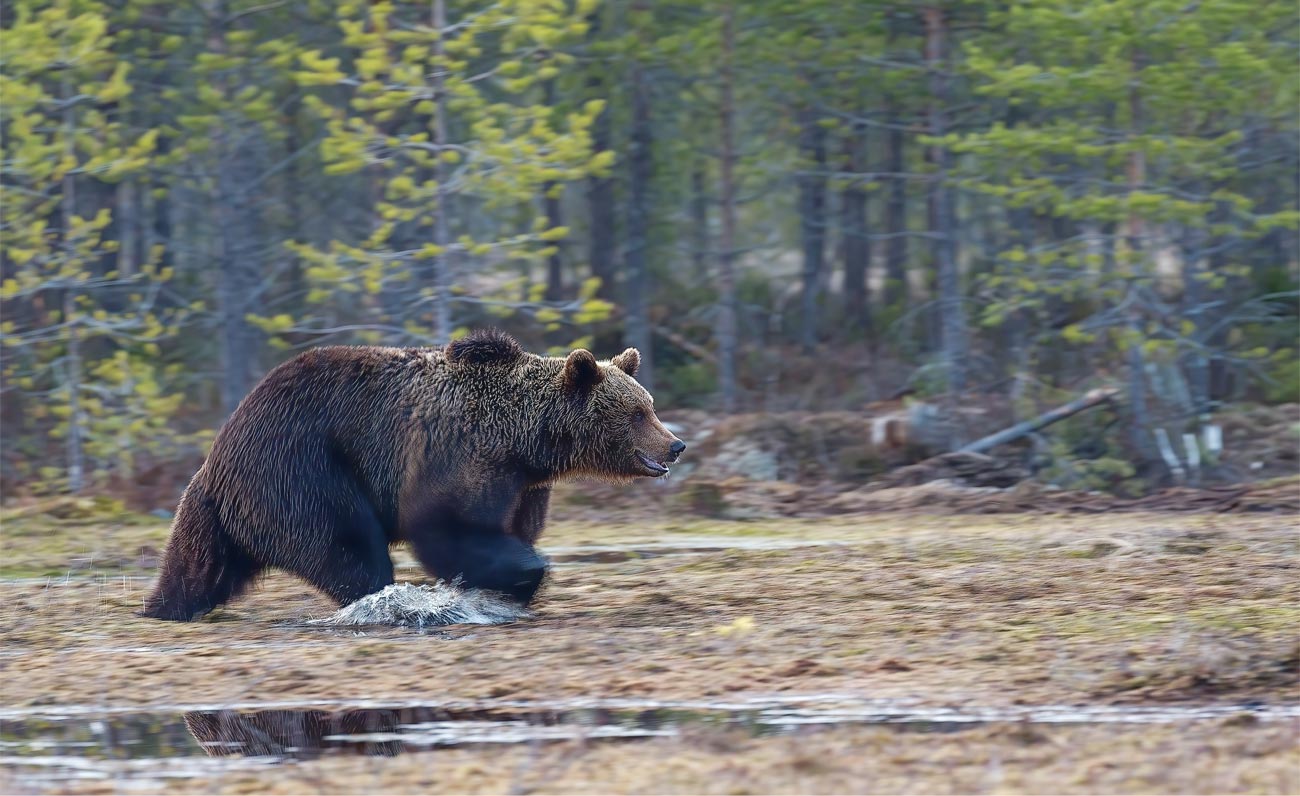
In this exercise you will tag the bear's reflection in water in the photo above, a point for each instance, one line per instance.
(390, 731)
(298, 733)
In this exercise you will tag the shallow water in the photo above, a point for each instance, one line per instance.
(618, 553)
(42, 746)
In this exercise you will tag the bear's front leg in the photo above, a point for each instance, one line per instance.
(530, 516)
(482, 558)
(467, 535)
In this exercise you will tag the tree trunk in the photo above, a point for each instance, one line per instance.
(554, 218)
(126, 220)
(725, 329)
(699, 222)
(1015, 330)
(1218, 378)
(68, 208)
(295, 280)
(76, 415)
(640, 173)
(442, 210)
(1141, 431)
(555, 261)
(237, 234)
(953, 323)
(237, 227)
(159, 229)
(601, 197)
(896, 288)
(856, 248)
(812, 223)
(1197, 308)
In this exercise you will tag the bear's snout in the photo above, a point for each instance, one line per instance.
(675, 449)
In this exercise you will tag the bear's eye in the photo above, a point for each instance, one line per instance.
(638, 416)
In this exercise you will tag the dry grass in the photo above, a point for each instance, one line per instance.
(964, 611)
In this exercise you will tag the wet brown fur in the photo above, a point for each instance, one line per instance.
(342, 451)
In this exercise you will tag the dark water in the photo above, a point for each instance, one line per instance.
(617, 553)
(305, 732)
(145, 747)
(302, 733)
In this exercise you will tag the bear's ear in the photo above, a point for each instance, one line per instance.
(581, 372)
(628, 361)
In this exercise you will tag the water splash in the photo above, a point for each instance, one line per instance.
(411, 605)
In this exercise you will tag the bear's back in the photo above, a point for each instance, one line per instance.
(347, 400)
(336, 385)
(328, 412)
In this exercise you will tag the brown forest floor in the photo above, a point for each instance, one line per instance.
(963, 611)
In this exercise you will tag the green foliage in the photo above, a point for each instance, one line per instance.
(1087, 453)
(685, 384)
(1112, 128)
(82, 323)
(1283, 385)
(1110, 474)
(440, 119)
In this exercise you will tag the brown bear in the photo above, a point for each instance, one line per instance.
(343, 451)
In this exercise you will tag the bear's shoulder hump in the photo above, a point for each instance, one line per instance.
(485, 347)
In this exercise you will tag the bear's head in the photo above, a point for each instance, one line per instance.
(616, 435)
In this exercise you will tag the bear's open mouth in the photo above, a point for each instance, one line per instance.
(651, 466)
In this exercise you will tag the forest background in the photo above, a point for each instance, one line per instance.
(977, 209)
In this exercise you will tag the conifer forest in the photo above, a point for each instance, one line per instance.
(788, 206)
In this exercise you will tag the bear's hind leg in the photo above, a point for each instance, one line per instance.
(348, 575)
(355, 562)
(201, 568)
(192, 589)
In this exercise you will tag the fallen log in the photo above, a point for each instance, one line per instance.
(1092, 398)
(694, 349)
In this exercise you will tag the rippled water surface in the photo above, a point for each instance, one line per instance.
(46, 746)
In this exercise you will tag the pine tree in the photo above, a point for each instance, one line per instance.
(445, 116)
(1128, 134)
(81, 334)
